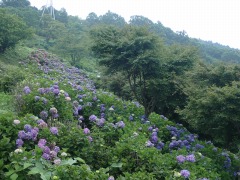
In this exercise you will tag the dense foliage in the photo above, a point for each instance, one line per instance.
(67, 129)
(12, 30)
(58, 119)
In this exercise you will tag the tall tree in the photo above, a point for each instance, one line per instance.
(12, 30)
(111, 18)
(136, 53)
(15, 3)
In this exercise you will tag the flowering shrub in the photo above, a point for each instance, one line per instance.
(67, 129)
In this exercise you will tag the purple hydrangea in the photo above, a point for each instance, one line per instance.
(54, 130)
(180, 159)
(56, 91)
(92, 118)
(37, 98)
(34, 134)
(86, 131)
(43, 115)
(21, 135)
(56, 149)
(27, 127)
(90, 139)
(100, 122)
(41, 90)
(130, 118)
(149, 144)
(46, 150)
(154, 139)
(199, 146)
(19, 142)
(185, 173)
(53, 154)
(26, 90)
(44, 100)
(42, 143)
(102, 115)
(160, 145)
(120, 124)
(191, 158)
(150, 128)
(46, 156)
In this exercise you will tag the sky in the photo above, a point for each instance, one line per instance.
(210, 20)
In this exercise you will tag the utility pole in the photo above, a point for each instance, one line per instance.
(49, 7)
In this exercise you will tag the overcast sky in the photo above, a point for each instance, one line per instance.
(215, 20)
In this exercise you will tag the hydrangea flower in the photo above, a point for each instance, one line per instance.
(149, 144)
(27, 90)
(46, 156)
(191, 158)
(181, 158)
(130, 118)
(154, 139)
(27, 127)
(41, 90)
(185, 173)
(199, 146)
(57, 161)
(17, 151)
(21, 135)
(111, 178)
(37, 98)
(86, 131)
(160, 145)
(92, 118)
(56, 149)
(53, 110)
(54, 130)
(100, 122)
(120, 124)
(19, 142)
(16, 122)
(42, 143)
(64, 154)
(43, 115)
(90, 139)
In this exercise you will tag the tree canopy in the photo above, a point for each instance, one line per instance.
(12, 30)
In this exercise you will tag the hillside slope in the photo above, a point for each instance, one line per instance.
(68, 129)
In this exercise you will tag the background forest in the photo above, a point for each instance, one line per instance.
(171, 80)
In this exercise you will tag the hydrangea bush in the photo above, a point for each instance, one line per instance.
(68, 129)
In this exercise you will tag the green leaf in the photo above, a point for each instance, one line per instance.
(14, 176)
(1, 163)
(80, 160)
(26, 165)
(68, 162)
(9, 173)
(46, 176)
(35, 170)
(117, 165)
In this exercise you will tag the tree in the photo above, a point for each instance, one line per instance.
(136, 53)
(15, 3)
(92, 19)
(12, 30)
(62, 15)
(214, 112)
(111, 18)
(51, 29)
(140, 21)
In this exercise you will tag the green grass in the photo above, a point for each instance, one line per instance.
(13, 56)
(6, 103)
